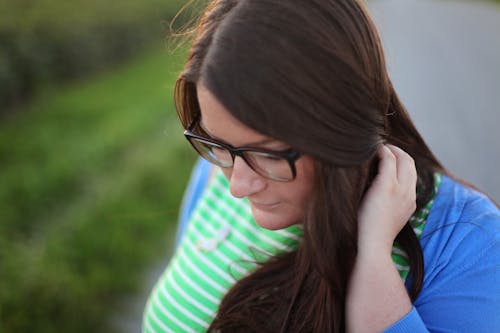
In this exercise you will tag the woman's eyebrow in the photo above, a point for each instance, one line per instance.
(250, 144)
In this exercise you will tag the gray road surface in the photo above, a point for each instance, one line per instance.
(444, 59)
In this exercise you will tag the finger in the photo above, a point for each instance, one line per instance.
(406, 170)
(387, 168)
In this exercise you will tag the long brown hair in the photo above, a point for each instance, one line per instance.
(310, 73)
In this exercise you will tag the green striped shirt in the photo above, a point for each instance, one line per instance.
(221, 245)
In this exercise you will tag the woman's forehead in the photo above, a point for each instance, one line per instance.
(220, 124)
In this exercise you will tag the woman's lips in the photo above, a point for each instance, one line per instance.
(265, 206)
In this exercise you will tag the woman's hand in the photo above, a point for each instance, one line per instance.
(389, 202)
(376, 296)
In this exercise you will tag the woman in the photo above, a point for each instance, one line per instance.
(361, 228)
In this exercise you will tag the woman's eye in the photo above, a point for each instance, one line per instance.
(220, 153)
(265, 158)
(272, 158)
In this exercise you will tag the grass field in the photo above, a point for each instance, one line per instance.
(91, 179)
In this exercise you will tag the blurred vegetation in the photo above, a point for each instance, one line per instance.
(92, 177)
(48, 40)
(92, 170)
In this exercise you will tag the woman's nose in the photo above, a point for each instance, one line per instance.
(244, 181)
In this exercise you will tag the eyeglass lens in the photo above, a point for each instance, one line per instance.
(267, 165)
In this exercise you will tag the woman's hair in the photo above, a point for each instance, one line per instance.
(310, 73)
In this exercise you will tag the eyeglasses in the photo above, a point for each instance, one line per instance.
(275, 165)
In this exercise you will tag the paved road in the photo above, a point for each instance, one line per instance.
(444, 59)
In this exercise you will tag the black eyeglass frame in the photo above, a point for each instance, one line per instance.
(290, 155)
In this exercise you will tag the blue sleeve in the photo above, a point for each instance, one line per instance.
(461, 289)
(409, 323)
(197, 182)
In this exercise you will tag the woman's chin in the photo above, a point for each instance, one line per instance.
(271, 220)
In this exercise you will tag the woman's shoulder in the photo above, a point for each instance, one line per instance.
(461, 247)
(463, 224)
(457, 205)
(198, 181)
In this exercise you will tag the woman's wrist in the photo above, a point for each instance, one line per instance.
(375, 245)
(374, 254)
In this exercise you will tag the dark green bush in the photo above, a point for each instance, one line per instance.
(52, 40)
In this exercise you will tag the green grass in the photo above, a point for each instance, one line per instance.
(92, 174)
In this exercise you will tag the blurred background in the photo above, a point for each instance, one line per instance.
(93, 162)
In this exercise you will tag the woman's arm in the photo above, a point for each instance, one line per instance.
(461, 245)
(377, 297)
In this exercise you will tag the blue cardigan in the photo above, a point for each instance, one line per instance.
(461, 247)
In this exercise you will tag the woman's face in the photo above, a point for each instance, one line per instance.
(275, 205)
